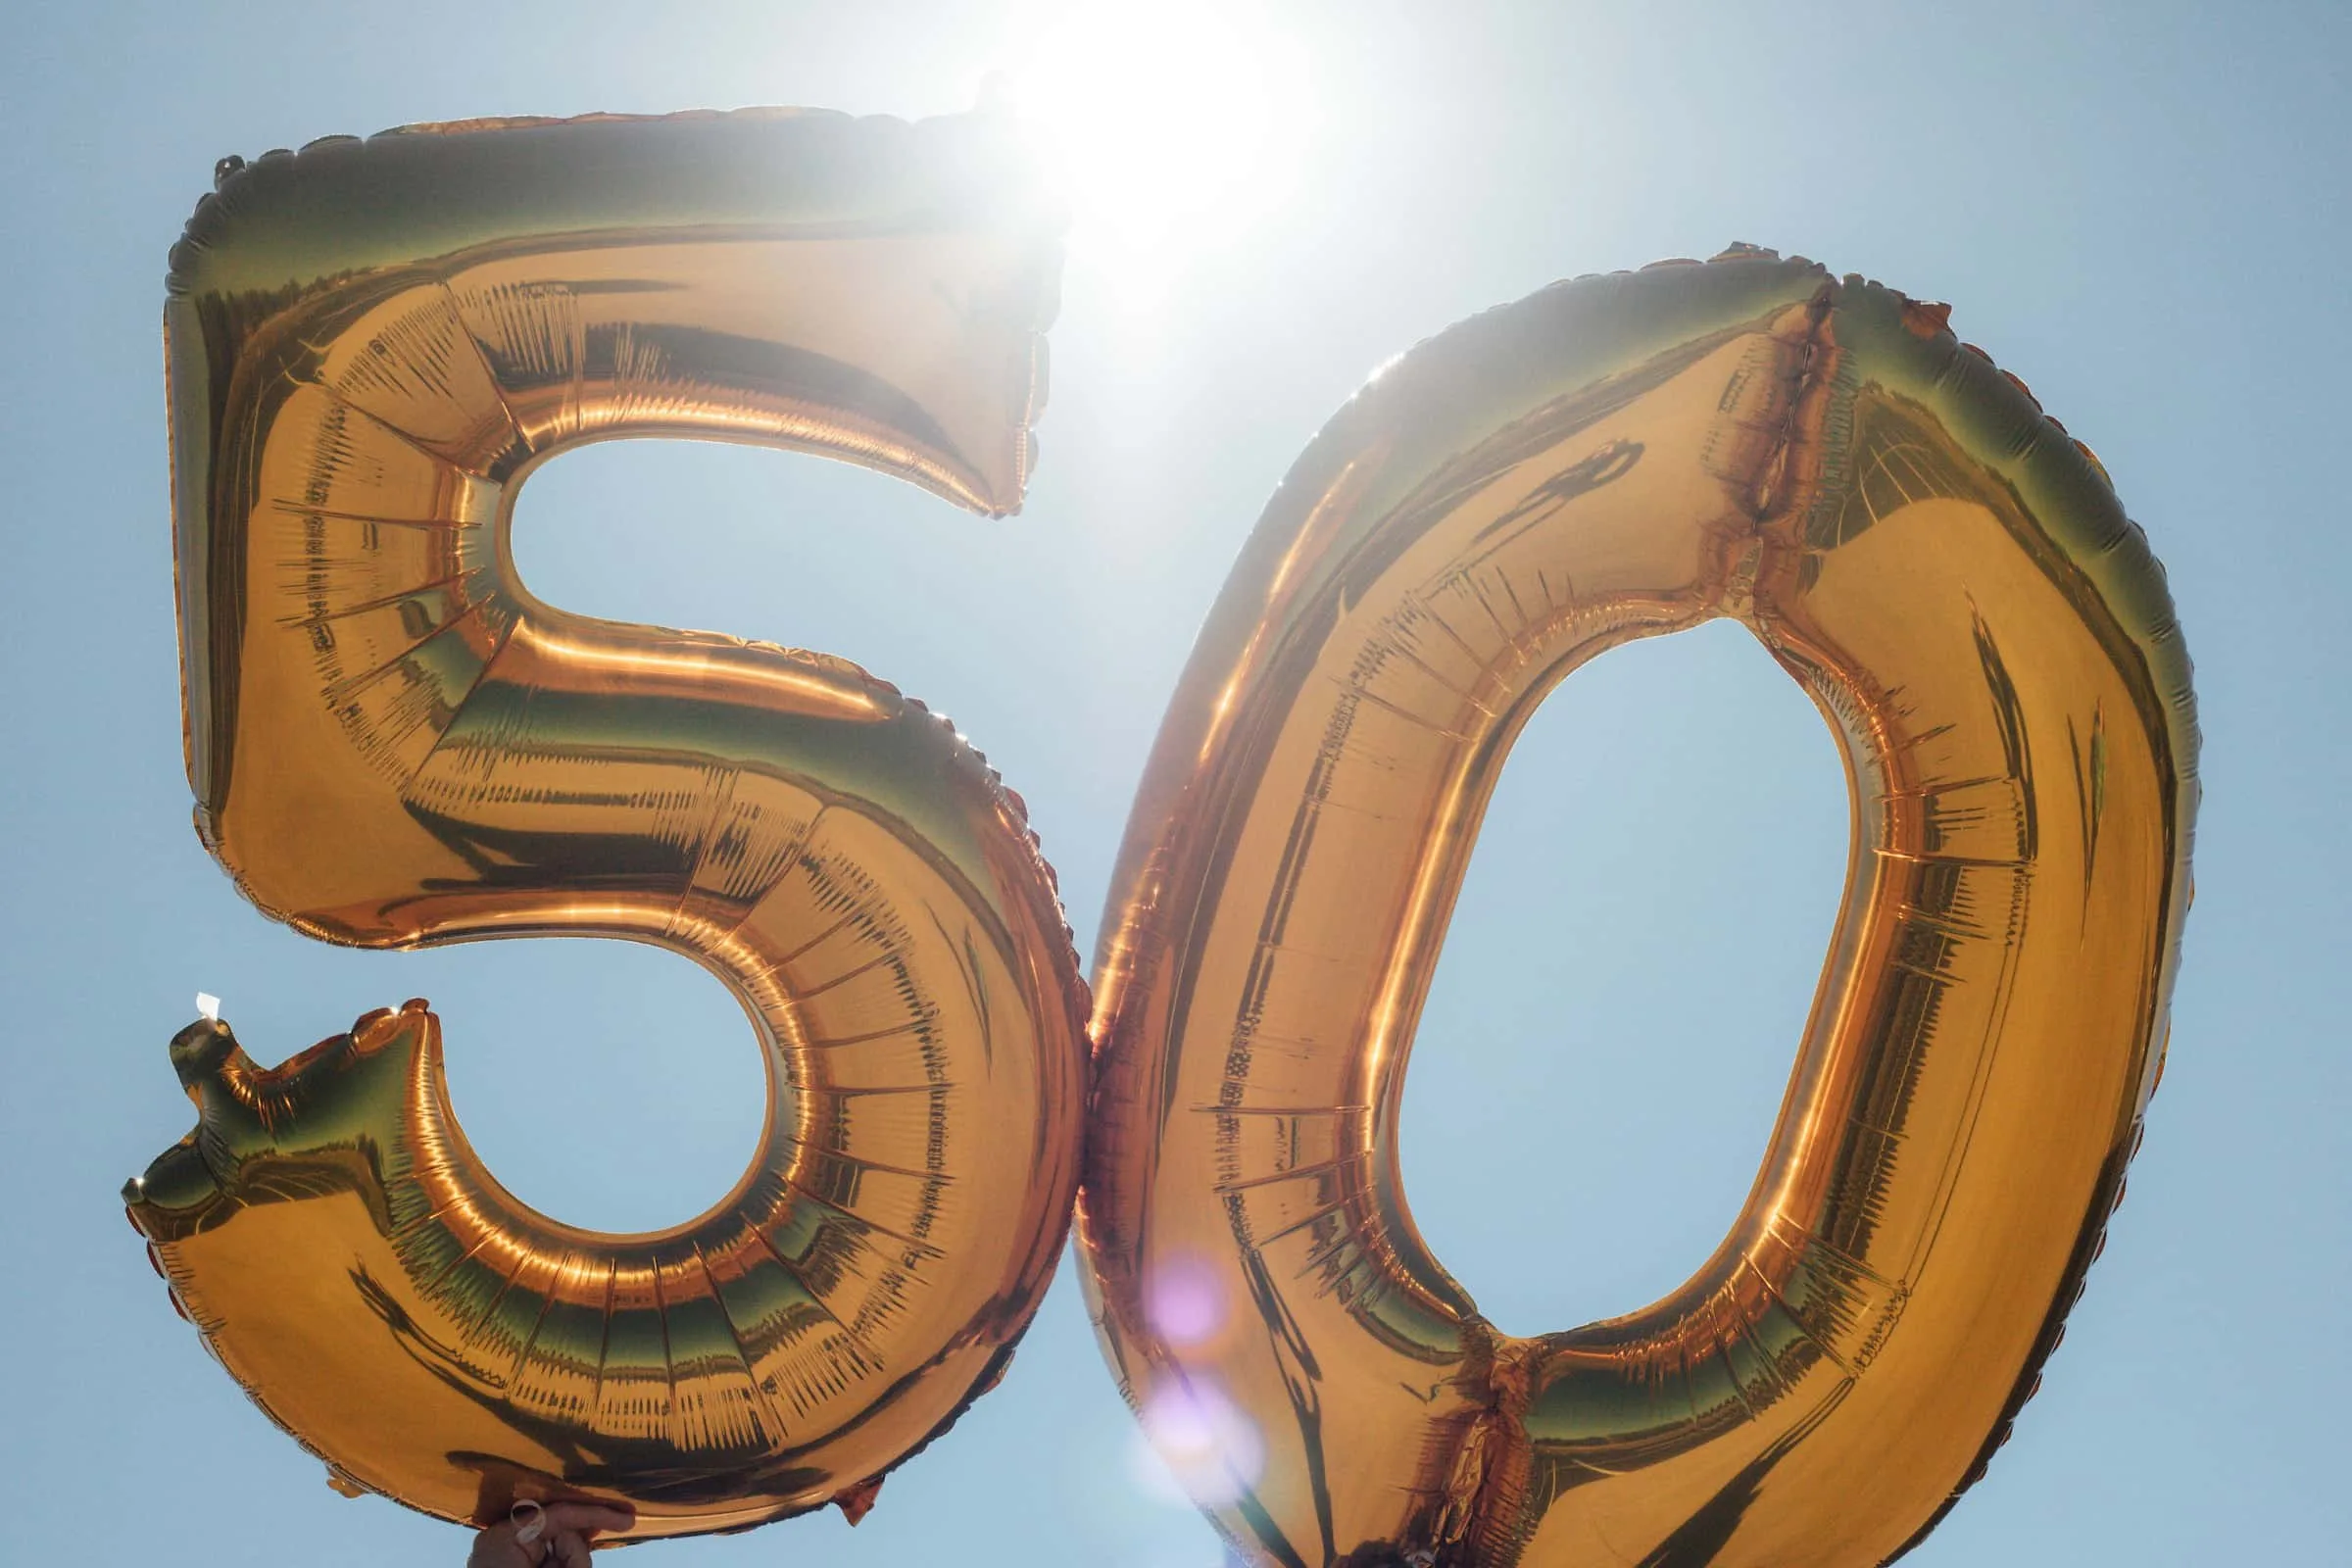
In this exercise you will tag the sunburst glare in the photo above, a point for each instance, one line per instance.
(1173, 129)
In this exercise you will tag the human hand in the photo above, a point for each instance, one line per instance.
(556, 1535)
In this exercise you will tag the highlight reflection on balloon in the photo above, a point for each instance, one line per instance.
(392, 743)
(1952, 580)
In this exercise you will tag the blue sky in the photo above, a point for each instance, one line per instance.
(2137, 208)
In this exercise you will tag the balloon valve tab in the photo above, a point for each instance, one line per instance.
(210, 1005)
(855, 1502)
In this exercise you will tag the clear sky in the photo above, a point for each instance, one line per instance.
(2139, 209)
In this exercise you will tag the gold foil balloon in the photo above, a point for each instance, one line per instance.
(1952, 580)
(392, 743)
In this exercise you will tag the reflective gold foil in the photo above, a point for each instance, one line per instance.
(1952, 580)
(370, 346)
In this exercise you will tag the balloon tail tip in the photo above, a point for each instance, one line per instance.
(857, 1501)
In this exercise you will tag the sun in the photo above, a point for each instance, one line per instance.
(1173, 128)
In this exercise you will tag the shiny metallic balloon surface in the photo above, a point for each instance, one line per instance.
(1954, 581)
(370, 346)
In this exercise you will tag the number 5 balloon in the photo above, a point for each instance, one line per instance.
(1952, 580)
(371, 345)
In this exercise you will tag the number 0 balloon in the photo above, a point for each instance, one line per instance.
(1953, 581)
(392, 743)
(372, 345)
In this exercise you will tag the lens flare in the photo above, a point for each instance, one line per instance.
(1186, 1302)
(1202, 1443)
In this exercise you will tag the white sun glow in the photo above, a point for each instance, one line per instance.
(1173, 126)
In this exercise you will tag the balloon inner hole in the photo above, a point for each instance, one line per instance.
(783, 546)
(609, 1084)
(1626, 980)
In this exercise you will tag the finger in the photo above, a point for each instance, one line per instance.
(587, 1518)
(571, 1550)
(496, 1547)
